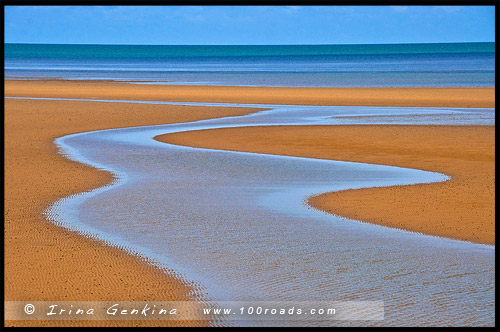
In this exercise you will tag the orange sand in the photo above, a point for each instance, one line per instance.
(462, 208)
(45, 262)
(451, 97)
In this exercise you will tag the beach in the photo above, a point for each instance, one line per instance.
(44, 262)
(36, 175)
(249, 166)
(409, 97)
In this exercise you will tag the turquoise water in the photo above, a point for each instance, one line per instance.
(451, 64)
(152, 51)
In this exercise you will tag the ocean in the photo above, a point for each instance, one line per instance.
(391, 65)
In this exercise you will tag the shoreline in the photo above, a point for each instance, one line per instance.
(206, 84)
(461, 208)
(45, 262)
(402, 97)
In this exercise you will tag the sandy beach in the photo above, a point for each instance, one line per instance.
(430, 97)
(45, 262)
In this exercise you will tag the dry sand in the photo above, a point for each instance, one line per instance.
(462, 208)
(45, 262)
(445, 97)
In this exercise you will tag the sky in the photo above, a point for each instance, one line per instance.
(248, 25)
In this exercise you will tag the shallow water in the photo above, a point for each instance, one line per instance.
(236, 224)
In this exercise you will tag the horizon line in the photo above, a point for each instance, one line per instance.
(341, 44)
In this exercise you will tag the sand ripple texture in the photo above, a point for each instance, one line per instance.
(237, 225)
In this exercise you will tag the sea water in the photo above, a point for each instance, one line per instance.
(394, 65)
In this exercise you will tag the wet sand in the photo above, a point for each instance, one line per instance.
(462, 208)
(431, 97)
(44, 262)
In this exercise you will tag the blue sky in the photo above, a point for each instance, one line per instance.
(231, 25)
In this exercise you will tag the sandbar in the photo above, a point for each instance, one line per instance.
(462, 208)
(424, 97)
